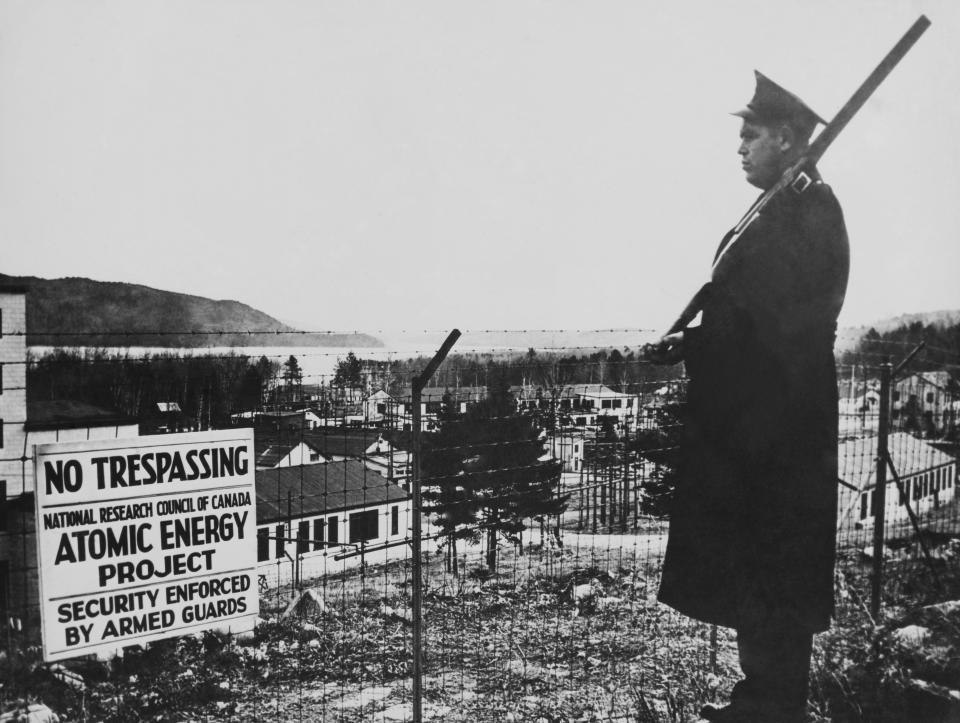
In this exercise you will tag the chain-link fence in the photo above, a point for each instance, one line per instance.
(544, 472)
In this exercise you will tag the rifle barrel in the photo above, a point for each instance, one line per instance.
(879, 74)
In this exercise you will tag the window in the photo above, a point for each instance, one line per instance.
(333, 529)
(280, 536)
(1, 434)
(605, 404)
(864, 505)
(395, 520)
(318, 533)
(1, 378)
(929, 397)
(364, 526)
(303, 537)
(630, 403)
(904, 494)
(263, 544)
(917, 488)
(617, 403)
(896, 396)
(381, 408)
(314, 456)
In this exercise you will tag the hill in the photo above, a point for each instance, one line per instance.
(943, 318)
(83, 312)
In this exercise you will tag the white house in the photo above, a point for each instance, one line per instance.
(287, 454)
(312, 420)
(607, 402)
(569, 448)
(317, 520)
(377, 406)
(583, 404)
(923, 398)
(859, 415)
(928, 475)
(396, 411)
(373, 449)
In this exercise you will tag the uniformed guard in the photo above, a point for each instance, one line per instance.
(752, 529)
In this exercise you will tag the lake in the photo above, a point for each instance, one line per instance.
(319, 363)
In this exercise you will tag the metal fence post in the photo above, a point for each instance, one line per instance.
(416, 613)
(880, 489)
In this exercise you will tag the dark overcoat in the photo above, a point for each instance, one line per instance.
(753, 524)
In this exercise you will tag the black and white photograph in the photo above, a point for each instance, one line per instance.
(462, 362)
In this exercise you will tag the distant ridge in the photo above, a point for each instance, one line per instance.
(82, 312)
(943, 318)
(929, 318)
(849, 337)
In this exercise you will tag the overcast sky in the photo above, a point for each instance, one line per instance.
(524, 164)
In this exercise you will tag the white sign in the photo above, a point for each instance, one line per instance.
(145, 538)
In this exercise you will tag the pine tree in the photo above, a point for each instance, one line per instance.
(484, 477)
(659, 445)
(348, 372)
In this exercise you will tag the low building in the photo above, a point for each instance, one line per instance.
(607, 403)
(395, 411)
(569, 448)
(315, 520)
(290, 421)
(376, 450)
(166, 417)
(280, 421)
(923, 401)
(581, 405)
(378, 408)
(927, 474)
(271, 455)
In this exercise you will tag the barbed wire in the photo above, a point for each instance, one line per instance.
(401, 357)
(328, 332)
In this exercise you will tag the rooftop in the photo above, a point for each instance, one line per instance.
(910, 455)
(342, 442)
(271, 454)
(321, 488)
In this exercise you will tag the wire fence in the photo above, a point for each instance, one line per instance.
(544, 469)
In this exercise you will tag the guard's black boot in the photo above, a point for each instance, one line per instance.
(734, 713)
(724, 714)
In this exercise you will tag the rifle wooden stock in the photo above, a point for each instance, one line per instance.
(814, 151)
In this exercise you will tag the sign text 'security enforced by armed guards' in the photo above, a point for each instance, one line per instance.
(145, 538)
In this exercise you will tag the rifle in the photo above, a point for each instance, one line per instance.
(795, 177)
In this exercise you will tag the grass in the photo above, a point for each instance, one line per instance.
(517, 646)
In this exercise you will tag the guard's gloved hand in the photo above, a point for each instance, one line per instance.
(667, 351)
